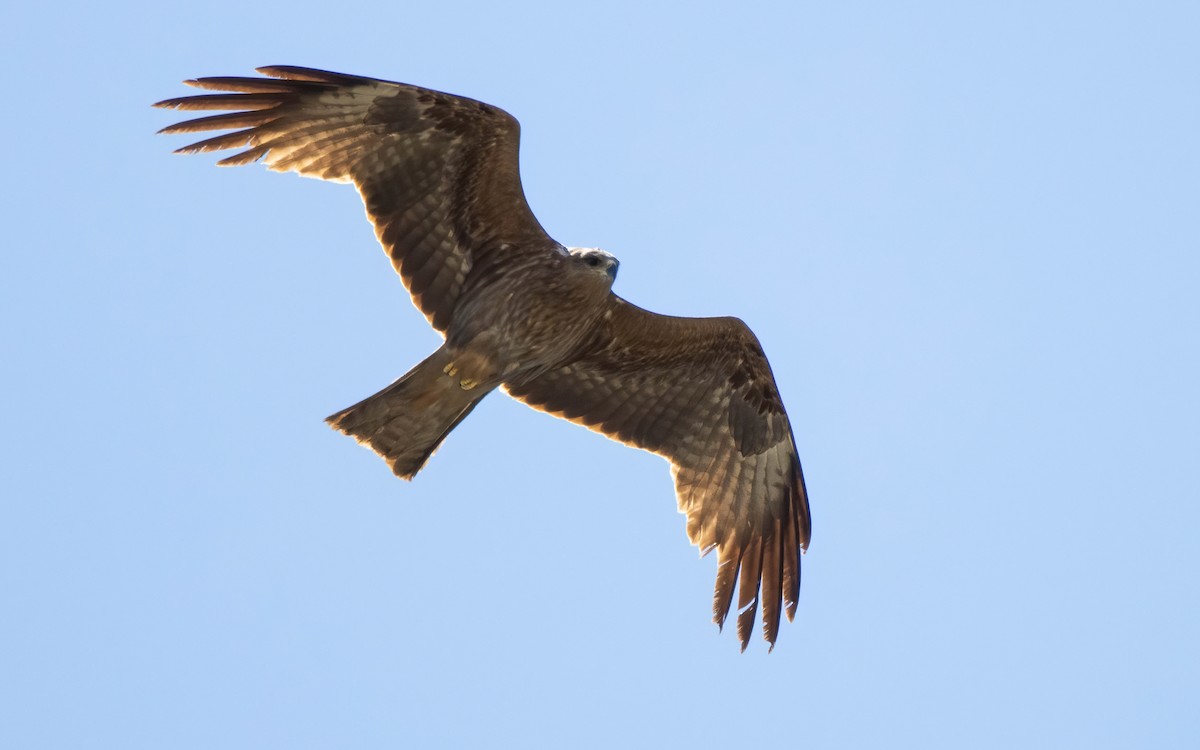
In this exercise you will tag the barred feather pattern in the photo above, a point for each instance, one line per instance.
(438, 173)
(699, 392)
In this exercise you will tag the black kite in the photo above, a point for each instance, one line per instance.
(439, 177)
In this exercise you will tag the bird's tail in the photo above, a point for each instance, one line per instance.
(406, 422)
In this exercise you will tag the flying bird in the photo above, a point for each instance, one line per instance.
(518, 311)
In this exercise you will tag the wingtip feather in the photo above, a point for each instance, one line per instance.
(727, 575)
(299, 73)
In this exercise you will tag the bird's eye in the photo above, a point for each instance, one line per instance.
(593, 261)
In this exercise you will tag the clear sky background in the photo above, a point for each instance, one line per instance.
(965, 233)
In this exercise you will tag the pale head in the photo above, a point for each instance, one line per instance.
(593, 258)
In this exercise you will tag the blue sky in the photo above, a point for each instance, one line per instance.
(966, 235)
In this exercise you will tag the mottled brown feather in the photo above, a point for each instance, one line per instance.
(727, 574)
(438, 173)
(772, 572)
(700, 393)
(748, 591)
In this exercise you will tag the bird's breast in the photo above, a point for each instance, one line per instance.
(533, 321)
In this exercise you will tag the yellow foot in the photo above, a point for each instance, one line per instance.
(450, 369)
(467, 384)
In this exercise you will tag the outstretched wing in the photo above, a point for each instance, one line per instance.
(699, 392)
(438, 173)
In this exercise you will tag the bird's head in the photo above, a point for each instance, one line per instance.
(595, 259)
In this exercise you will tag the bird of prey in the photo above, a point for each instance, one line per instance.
(519, 311)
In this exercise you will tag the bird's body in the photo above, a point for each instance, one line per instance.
(439, 177)
(540, 319)
(501, 334)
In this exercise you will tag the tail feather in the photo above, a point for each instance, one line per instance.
(406, 422)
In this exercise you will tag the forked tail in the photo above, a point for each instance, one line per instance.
(406, 422)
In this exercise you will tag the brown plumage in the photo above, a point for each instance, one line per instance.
(439, 177)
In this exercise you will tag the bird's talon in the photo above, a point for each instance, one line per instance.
(467, 384)
(450, 370)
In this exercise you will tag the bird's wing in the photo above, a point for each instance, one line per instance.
(699, 392)
(438, 173)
